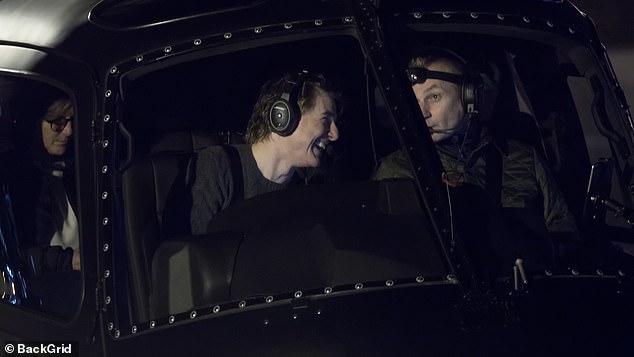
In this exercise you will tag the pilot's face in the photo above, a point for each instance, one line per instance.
(317, 128)
(441, 105)
(57, 127)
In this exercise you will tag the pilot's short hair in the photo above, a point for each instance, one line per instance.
(456, 66)
(258, 128)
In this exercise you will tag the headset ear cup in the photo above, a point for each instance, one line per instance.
(283, 117)
(469, 97)
(284, 113)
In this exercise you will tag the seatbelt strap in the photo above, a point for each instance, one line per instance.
(236, 171)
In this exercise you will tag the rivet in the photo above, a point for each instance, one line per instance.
(113, 70)
(105, 143)
(318, 22)
(548, 272)
(294, 316)
(108, 93)
(418, 15)
(599, 272)
(257, 30)
(104, 195)
(288, 26)
(227, 35)
(571, 30)
(389, 283)
(107, 300)
(500, 17)
(139, 58)
(420, 279)
(198, 42)
(363, 205)
(134, 329)
(104, 221)
(106, 118)
(106, 274)
(348, 19)
(621, 273)
(298, 294)
(526, 19)
(106, 247)
(193, 314)
(358, 286)
(242, 304)
(104, 169)
(318, 312)
(474, 15)
(152, 324)
(327, 290)
(446, 15)
(266, 322)
(171, 319)
(403, 128)
(167, 49)
(574, 272)
(216, 309)
(269, 299)
(419, 169)
(117, 333)
(450, 277)
(110, 326)
(550, 23)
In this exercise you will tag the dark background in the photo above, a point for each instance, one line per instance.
(614, 21)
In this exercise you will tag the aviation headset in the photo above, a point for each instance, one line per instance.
(470, 83)
(283, 114)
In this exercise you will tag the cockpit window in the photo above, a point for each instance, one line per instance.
(39, 228)
(542, 99)
(328, 228)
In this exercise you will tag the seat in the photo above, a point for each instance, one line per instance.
(148, 184)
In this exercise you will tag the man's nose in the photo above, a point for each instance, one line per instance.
(425, 111)
(333, 132)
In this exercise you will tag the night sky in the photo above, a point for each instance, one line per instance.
(613, 19)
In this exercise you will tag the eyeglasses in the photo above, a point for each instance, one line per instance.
(58, 124)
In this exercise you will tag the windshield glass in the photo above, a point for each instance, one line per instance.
(531, 141)
(40, 266)
(224, 203)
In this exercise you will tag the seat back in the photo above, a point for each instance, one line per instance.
(147, 186)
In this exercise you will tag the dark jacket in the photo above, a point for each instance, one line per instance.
(526, 180)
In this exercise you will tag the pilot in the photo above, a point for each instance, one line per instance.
(292, 123)
(470, 156)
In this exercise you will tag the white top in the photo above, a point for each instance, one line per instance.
(69, 236)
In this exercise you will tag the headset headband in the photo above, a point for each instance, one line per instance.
(420, 75)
